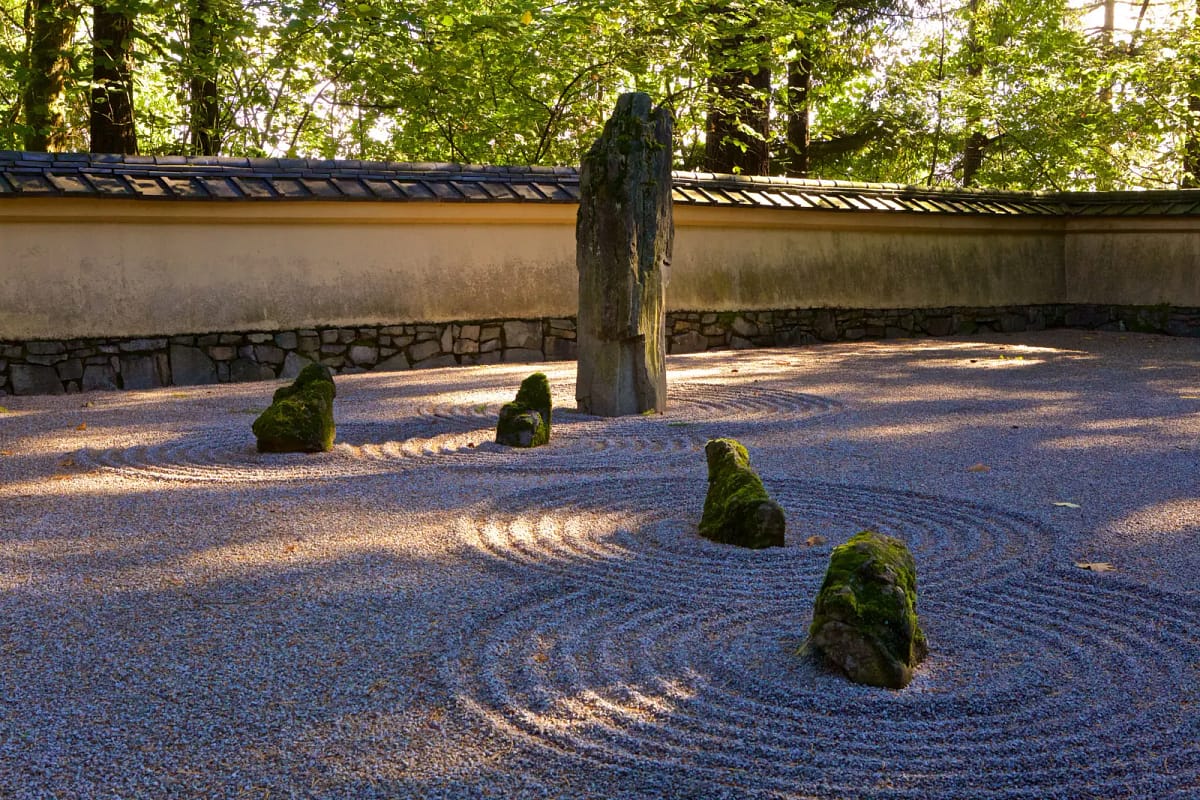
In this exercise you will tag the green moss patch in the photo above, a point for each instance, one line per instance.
(300, 419)
(737, 509)
(865, 616)
(525, 422)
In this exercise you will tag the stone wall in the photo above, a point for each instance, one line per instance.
(55, 367)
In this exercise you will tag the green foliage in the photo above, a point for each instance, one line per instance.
(898, 90)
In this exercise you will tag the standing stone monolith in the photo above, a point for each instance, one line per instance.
(623, 239)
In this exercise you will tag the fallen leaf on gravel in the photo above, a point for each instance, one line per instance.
(541, 658)
(812, 541)
(81, 426)
(1096, 566)
(1064, 504)
(67, 462)
(6, 452)
(979, 468)
(3, 410)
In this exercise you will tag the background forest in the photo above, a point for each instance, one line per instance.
(1041, 94)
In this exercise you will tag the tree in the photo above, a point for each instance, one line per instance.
(204, 118)
(49, 27)
(112, 110)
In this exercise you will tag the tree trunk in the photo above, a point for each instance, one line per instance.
(202, 86)
(112, 125)
(799, 135)
(1191, 145)
(49, 28)
(741, 97)
(973, 149)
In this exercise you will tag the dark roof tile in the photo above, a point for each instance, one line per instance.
(254, 187)
(497, 190)
(526, 191)
(185, 187)
(70, 184)
(351, 188)
(414, 190)
(321, 187)
(381, 188)
(31, 183)
(220, 187)
(471, 190)
(290, 187)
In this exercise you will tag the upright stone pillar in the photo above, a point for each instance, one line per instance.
(623, 239)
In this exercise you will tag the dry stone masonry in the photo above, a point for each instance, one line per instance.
(623, 243)
(55, 367)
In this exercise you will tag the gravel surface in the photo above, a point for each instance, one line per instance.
(421, 613)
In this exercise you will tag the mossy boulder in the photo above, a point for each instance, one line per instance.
(865, 617)
(300, 418)
(737, 509)
(525, 422)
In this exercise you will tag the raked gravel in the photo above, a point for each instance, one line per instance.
(423, 614)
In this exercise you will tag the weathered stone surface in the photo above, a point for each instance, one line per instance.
(690, 342)
(300, 418)
(423, 350)
(142, 345)
(865, 617)
(99, 377)
(292, 364)
(259, 338)
(288, 340)
(526, 335)
(557, 349)
(364, 354)
(35, 379)
(518, 355)
(45, 348)
(140, 372)
(396, 362)
(526, 421)
(190, 366)
(70, 370)
(268, 354)
(624, 237)
(737, 509)
(243, 369)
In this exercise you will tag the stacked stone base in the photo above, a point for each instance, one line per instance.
(55, 367)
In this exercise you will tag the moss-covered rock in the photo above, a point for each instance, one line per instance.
(525, 422)
(300, 418)
(737, 509)
(865, 617)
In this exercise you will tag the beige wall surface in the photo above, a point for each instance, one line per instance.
(761, 259)
(76, 268)
(195, 268)
(1133, 261)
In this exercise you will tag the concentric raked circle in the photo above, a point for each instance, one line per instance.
(1045, 685)
(462, 436)
(629, 533)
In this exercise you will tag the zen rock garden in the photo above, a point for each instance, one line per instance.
(864, 619)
